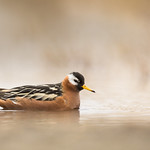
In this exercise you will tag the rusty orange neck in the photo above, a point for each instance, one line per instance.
(71, 94)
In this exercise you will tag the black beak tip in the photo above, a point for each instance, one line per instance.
(93, 91)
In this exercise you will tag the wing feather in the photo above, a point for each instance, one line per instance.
(46, 92)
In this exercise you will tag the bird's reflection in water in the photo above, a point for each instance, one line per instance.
(39, 118)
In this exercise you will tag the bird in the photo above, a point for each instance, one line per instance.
(60, 96)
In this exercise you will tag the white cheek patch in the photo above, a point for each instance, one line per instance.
(71, 79)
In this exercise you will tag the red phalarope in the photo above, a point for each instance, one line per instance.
(61, 96)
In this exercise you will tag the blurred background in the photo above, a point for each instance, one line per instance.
(41, 41)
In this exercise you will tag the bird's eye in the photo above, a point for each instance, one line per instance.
(75, 80)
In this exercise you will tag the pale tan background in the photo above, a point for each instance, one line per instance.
(108, 41)
(43, 40)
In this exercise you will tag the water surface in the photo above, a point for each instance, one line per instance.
(95, 125)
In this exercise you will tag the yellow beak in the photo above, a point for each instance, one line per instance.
(85, 87)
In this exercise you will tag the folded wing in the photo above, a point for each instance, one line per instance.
(46, 92)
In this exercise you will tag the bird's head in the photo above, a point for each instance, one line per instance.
(76, 79)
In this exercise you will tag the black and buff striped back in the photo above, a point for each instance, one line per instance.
(46, 92)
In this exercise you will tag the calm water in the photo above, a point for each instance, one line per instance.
(96, 125)
(91, 113)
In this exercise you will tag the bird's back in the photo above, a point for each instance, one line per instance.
(45, 92)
